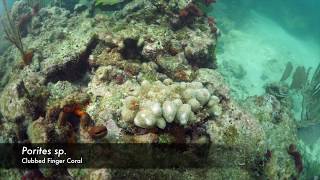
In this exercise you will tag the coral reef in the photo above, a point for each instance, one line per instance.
(274, 114)
(145, 74)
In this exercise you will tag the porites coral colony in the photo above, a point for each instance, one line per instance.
(157, 104)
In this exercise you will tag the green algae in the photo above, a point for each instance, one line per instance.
(115, 100)
(230, 135)
(107, 2)
(165, 139)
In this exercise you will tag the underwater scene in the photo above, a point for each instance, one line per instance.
(159, 89)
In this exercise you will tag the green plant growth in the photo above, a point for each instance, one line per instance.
(107, 2)
(230, 135)
(13, 35)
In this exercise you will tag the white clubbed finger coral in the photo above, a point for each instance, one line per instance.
(213, 101)
(189, 94)
(196, 85)
(215, 110)
(157, 103)
(145, 119)
(127, 115)
(178, 102)
(129, 109)
(203, 96)
(195, 105)
(161, 123)
(183, 114)
(170, 109)
(154, 107)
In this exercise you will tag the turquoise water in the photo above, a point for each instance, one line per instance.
(258, 39)
(9, 4)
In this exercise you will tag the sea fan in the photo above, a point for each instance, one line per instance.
(13, 34)
(311, 99)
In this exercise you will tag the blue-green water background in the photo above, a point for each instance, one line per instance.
(9, 3)
(260, 37)
(301, 18)
(257, 39)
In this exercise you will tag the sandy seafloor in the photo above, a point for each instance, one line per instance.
(259, 50)
(253, 51)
